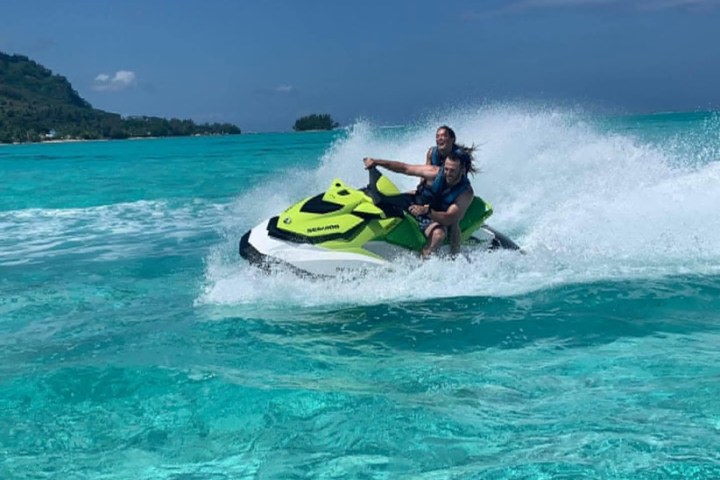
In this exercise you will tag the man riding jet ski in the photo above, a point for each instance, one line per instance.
(354, 229)
(441, 198)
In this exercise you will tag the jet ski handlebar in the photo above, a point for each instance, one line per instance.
(392, 205)
(374, 175)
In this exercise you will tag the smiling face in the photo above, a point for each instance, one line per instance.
(453, 170)
(444, 140)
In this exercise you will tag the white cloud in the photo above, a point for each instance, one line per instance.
(278, 91)
(690, 5)
(641, 4)
(122, 80)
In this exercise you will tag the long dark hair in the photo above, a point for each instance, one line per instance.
(463, 153)
(450, 131)
(466, 156)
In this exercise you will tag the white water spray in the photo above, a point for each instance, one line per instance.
(586, 204)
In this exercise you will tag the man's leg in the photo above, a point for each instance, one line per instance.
(436, 235)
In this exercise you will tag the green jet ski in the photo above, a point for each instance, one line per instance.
(347, 229)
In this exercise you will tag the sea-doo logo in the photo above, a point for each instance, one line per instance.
(322, 229)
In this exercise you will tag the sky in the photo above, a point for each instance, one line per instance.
(263, 64)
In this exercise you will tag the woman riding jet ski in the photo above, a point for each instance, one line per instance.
(354, 229)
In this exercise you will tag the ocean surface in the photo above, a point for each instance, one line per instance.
(136, 344)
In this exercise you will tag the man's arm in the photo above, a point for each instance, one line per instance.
(455, 212)
(425, 171)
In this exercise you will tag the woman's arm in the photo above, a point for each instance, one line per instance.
(424, 171)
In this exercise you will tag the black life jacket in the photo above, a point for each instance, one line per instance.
(437, 161)
(439, 195)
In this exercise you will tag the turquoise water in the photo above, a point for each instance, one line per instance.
(135, 343)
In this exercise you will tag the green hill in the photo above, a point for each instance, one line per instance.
(36, 105)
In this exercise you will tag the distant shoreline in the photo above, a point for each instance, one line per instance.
(81, 140)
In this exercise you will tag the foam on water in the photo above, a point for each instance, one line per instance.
(101, 233)
(110, 371)
(586, 203)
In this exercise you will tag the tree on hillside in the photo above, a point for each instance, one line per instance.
(35, 102)
(315, 122)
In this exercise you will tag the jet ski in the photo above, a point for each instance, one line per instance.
(348, 229)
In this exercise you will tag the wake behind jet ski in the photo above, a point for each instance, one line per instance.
(345, 229)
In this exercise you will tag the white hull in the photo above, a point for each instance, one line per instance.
(317, 260)
(259, 247)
